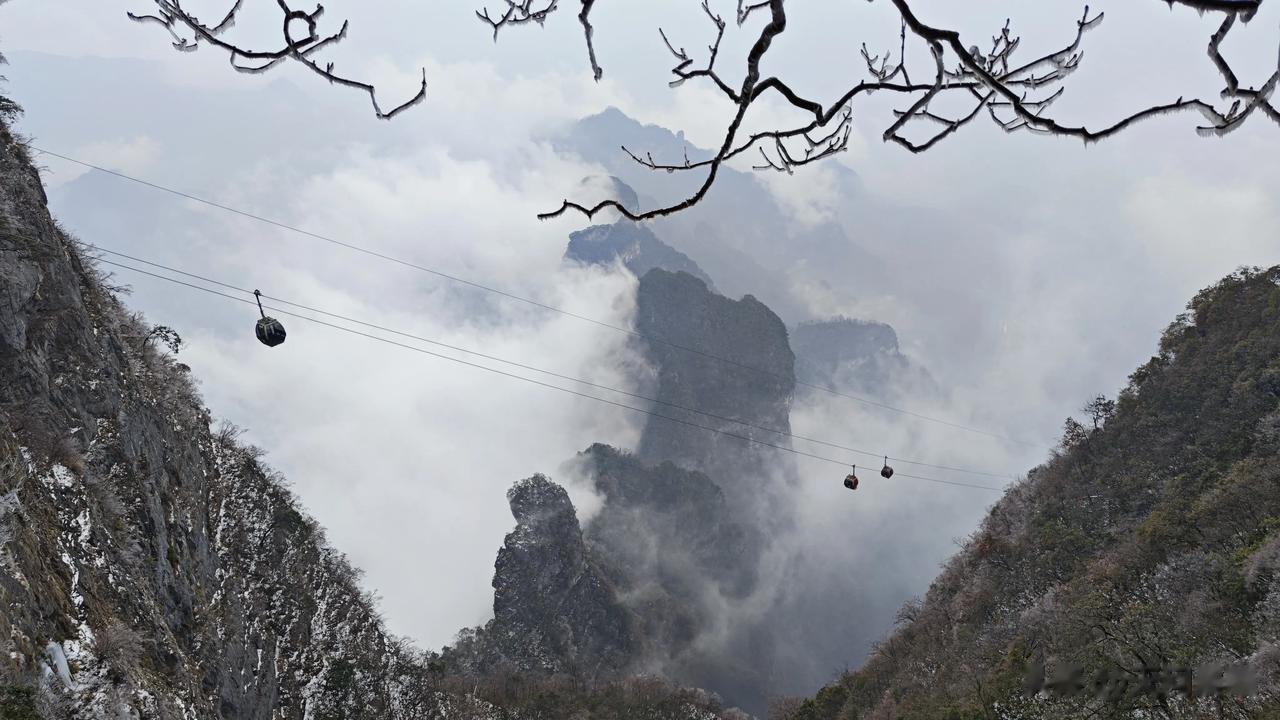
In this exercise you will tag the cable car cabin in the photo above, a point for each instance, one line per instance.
(886, 472)
(851, 480)
(270, 332)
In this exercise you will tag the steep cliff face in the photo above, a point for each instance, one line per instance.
(632, 244)
(680, 310)
(555, 610)
(686, 525)
(655, 584)
(153, 567)
(1147, 543)
(151, 563)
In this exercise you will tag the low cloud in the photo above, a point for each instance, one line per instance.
(1024, 273)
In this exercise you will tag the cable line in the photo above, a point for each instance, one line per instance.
(496, 371)
(528, 301)
(570, 378)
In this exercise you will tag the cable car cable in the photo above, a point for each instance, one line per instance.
(496, 371)
(529, 301)
(560, 376)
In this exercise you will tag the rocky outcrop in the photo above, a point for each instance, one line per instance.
(695, 330)
(688, 520)
(554, 609)
(652, 585)
(632, 244)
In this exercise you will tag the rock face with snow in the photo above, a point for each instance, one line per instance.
(149, 562)
(1145, 547)
(554, 609)
(632, 244)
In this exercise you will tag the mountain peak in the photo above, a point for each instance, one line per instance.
(537, 502)
(634, 245)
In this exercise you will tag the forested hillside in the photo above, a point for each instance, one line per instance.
(1150, 540)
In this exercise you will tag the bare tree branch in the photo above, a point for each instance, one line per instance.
(990, 79)
(188, 32)
(588, 31)
(991, 82)
(517, 13)
(523, 13)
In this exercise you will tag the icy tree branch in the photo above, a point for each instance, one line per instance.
(992, 82)
(301, 40)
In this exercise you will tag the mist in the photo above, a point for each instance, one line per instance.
(1021, 298)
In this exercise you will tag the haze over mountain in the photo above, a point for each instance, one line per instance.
(108, 211)
(993, 287)
(236, 606)
(684, 571)
(155, 567)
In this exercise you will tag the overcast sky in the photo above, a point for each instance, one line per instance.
(1025, 273)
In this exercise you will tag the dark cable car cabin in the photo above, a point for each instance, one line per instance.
(886, 472)
(269, 330)
(851, 480)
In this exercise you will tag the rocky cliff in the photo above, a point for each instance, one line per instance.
(687, 525)
(691, 324)
(675, 556)
(150, 562)
(649, 587)
(556, 611)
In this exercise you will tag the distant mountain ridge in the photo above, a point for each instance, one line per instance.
(634, 245)
(740, 233)
(854, 355)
